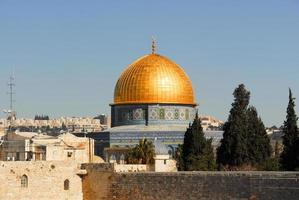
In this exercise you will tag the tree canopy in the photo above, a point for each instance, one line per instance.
(197, 152)
(143, 153)
(244, 142)
(259, 148)
(290, 155)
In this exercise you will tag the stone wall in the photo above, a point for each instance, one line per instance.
(45, 180)
(190, 185)
(96, 183)
(101, 181)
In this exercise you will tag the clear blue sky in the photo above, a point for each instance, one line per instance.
(67, 55)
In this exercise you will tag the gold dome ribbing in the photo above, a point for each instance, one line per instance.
(154, 79)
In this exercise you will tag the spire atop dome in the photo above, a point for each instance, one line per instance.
(154, 45)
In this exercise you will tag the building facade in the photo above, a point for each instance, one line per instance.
(74, 124)
(28, 146)
(211, 123)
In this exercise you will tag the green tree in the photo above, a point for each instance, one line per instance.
(143, 153)
(197, 151)
(233, 149)
(259, 148)
(290, 155)
(271, 164)
(245, 142)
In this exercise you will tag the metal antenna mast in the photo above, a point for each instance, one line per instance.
(11, 84)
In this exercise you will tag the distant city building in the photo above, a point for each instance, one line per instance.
(211, 123)
(103, 119)
(276, 139)
(30, 146)
(73, 124)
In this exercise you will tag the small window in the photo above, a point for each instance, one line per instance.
(69, 154)
(164, 162)
(66, 184)
(24, 181)
(18, 156)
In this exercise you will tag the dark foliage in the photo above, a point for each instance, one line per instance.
(197, 151)
(245, 142)
(143, 153)
(271, 164)
(233, 149)
(259, 148)
(290, 155)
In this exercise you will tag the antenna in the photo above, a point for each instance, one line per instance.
(11, 84)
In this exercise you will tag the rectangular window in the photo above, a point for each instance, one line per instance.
(18, 156)
(69, 154)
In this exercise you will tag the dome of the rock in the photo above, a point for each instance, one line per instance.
(154, 100)
(154, 79)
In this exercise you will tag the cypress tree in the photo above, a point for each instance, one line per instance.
(233, 149)
(259, 148)
(290, 155)
(197, 151)
(245, 141)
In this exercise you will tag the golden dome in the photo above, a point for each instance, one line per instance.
(154, 79)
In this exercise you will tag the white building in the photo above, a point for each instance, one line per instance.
(210, 123)
(75, 124)
(163, 162)
(29, 146)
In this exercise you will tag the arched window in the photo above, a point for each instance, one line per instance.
(66, 184)
(24, 181)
